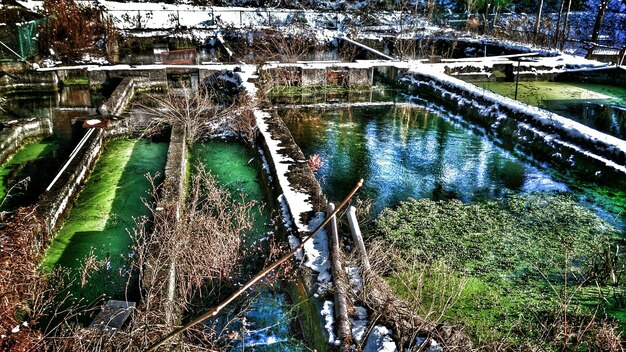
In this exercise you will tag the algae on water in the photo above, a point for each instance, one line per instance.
(27, 173)
(98, 223)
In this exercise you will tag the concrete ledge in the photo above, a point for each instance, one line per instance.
(30, 81)
(542, 135)
(11, 139)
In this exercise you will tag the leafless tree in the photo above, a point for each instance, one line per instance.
(597, 25)
(195, 110)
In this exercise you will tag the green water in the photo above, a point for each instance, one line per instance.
(598, 106)
(231, 164)
(28, 173)
(270, 317)
(101, 215)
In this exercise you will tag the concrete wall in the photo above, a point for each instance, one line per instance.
(318, 76)
(170, 204)
(30, 81)
(155, 75)
(11, 139)
(519, 131)
(360, 77)
(120, 97)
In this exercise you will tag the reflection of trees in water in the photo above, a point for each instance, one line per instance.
(402, 152)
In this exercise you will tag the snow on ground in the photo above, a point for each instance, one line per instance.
(329, 321)
(379, 340)
(359, 324)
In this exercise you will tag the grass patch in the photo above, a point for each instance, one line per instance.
(76, 81)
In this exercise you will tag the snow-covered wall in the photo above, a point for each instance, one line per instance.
(544, 136)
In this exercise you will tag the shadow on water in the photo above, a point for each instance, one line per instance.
(99, 222)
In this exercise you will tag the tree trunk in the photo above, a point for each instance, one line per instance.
(565, 24)
(558, 25)
(537, 21)
(596, 27)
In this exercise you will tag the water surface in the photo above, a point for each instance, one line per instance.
(406, 151)
(598, 106)
(97, 223)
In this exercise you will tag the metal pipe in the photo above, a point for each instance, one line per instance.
(72, 156)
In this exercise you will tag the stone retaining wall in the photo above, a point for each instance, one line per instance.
(30, 81)
(54, 203)
(156, 75)
(518, 127)
(11, 139)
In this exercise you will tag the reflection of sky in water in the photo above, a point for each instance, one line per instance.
(404, 152)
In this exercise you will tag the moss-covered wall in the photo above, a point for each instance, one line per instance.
(11, 139)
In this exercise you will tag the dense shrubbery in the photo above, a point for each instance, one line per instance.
(527, 268)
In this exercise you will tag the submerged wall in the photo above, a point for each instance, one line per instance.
(612, 76)
(12, 138)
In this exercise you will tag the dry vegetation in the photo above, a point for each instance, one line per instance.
(21, 284)
(75, 29)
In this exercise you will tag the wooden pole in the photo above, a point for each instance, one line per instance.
(213, 312)
(342, 325)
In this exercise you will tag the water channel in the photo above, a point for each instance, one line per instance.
(271, 316)
(97, 223)
(39, 160)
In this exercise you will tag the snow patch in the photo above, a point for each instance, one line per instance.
(329, 321)
(359, 324)
(317, 251)
(380, 340)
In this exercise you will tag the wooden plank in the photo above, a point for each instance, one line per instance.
(113, 315)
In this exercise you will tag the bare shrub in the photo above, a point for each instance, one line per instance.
(276, 45)
(195, 110)
(20, 280)
(75, 29)
(412, 317)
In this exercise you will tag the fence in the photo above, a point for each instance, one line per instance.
(19, 42)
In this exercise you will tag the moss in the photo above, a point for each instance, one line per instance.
(33, 162)
(76, 81)
(501, 264)
(311, 90)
